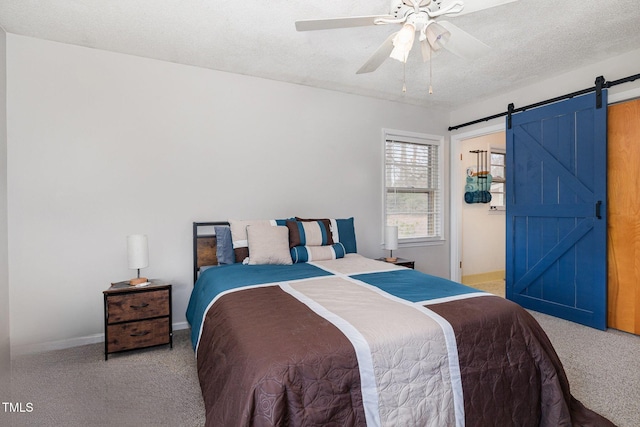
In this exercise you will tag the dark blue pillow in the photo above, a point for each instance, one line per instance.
(347, 234)
(224, 245)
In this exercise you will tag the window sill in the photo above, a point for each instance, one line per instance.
(420, 243)
(417, 243)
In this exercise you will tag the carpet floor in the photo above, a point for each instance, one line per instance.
(159, 386)
(77, 387)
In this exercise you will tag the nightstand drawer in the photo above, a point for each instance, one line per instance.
(138, 305)
(144, 333)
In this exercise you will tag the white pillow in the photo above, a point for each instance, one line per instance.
(239, 230)
(268, 244)
(239, 236)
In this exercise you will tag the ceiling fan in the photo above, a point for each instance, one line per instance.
(416, 17)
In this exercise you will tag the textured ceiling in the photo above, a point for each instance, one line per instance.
(530, 40)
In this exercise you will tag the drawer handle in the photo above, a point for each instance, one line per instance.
(143, 305)
(139, 334)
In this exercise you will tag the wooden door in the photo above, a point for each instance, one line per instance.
(556, 210)
(624, 217)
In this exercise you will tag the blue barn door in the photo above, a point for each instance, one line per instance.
(556, 210)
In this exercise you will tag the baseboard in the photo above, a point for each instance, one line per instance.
(472, 279)
(181, 325)
(20, 350)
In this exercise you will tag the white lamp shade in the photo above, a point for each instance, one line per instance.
(437, 35)
(391, 237)
(137, 251)
(403, 42)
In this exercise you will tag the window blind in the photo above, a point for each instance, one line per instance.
(412, 181)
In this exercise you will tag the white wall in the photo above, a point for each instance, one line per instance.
(102, 145)
(5, 350)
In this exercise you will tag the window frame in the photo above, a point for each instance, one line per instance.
(503, 181)
(423, 139)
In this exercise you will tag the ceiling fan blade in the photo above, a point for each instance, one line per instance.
(379, 56)
(471, 6)
(463, 44)
(332, 23)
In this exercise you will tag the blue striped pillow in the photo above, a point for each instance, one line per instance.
(317, 253)
(342, 230)
(309, 233)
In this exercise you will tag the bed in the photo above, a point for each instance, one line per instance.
(337, 339)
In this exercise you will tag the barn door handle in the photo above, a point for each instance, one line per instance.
(598, 206)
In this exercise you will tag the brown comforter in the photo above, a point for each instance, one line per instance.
(331, 352)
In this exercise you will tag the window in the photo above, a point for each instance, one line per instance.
(413, 179)
(498, 182)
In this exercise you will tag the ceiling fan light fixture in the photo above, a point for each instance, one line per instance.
(437, 35)
(403, 42)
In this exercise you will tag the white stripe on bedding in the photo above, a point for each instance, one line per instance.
(447, 329)
(401, 400)
(363, 354)
(354, 264)
(452, 349)
(454, 364)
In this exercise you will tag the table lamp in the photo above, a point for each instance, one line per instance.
(138, 256)
(391, 241)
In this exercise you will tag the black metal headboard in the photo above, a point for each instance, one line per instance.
(204, 246)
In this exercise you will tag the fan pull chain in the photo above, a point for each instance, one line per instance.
(404, 77)
(430, 70)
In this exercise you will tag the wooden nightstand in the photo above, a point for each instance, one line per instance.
(137, 317)
(401, 261)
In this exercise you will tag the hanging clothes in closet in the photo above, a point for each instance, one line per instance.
(478, 183)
